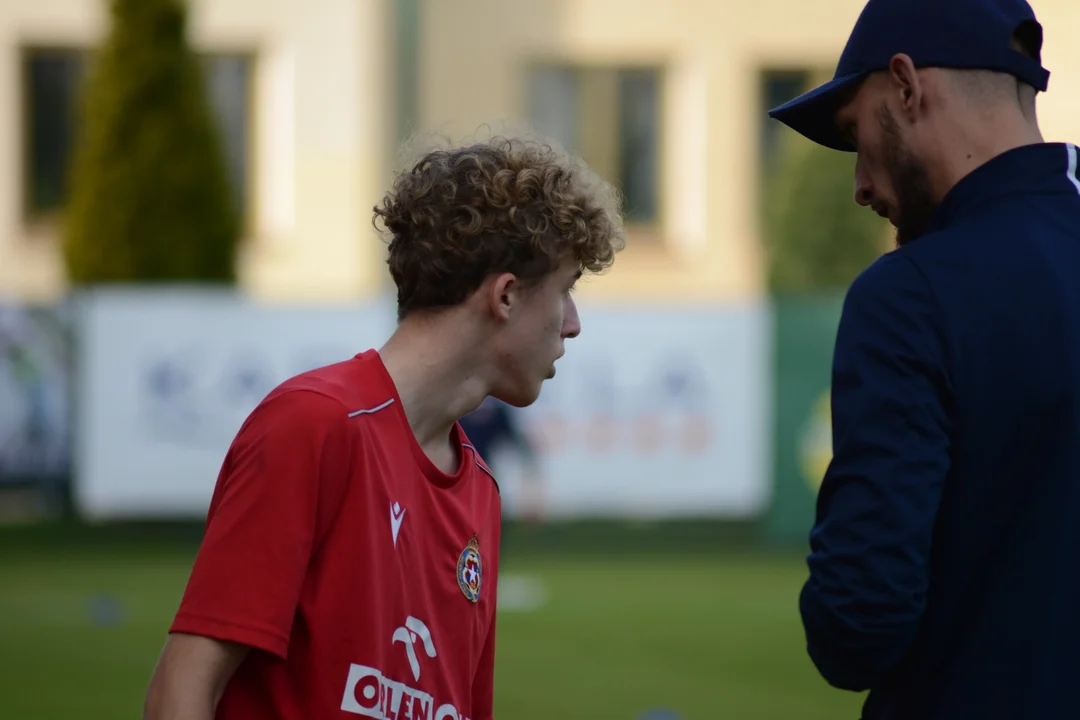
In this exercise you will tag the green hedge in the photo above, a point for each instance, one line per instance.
(817, 237)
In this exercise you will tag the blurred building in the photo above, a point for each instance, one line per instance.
(667, 99)
(301, 90)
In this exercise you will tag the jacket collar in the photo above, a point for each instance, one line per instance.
(1044, 168)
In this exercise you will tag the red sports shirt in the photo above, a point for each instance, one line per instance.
(362, 576)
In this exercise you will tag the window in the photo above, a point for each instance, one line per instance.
(53, 78)
(52, 82)
(777, 87)
(611, 118)
(228, 84)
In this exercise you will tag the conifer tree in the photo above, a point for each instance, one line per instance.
(150, 196)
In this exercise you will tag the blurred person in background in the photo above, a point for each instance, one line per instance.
(943, 565)
(351, 553)
(496, 425)
(28, 443)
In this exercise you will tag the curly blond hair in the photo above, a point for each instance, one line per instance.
(513, 205)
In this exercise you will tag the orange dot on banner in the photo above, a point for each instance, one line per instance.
(551, 434)
(600, 435)
(695, 434)
(648, 435)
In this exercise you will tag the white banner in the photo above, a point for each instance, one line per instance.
(166, 378)
(655, 412)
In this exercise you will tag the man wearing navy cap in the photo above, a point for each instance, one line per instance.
(945, 556)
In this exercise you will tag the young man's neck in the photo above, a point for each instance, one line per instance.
(433, 365)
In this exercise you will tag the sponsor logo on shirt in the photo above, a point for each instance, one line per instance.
(370, 693)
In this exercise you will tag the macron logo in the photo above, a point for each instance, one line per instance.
(397, 514)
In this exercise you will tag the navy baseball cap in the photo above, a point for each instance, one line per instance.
(958, 34)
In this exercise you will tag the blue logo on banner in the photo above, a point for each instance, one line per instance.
(169, 384)
(660, 714)
(247, 381)
(168, 381)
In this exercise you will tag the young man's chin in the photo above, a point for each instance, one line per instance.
(524, 397)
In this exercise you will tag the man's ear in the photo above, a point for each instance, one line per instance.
(907, 86)
(502, 292)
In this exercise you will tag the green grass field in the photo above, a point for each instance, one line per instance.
(709, 636)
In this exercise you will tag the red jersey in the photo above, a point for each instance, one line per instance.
(362, 576)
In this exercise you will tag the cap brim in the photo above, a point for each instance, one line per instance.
(813, 113)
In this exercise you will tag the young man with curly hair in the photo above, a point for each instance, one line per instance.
(352, 544)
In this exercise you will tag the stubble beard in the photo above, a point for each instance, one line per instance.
(911, 183)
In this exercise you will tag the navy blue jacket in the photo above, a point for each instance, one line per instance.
(945, 556)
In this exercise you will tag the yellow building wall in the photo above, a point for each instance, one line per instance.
(321, 139)
(474, 55)
(324, 127)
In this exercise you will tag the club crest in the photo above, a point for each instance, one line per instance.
(470, 570)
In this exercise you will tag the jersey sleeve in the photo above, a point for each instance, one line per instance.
(276, 487)
(870, 545)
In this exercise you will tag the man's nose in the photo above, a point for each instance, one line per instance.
(864, 190)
